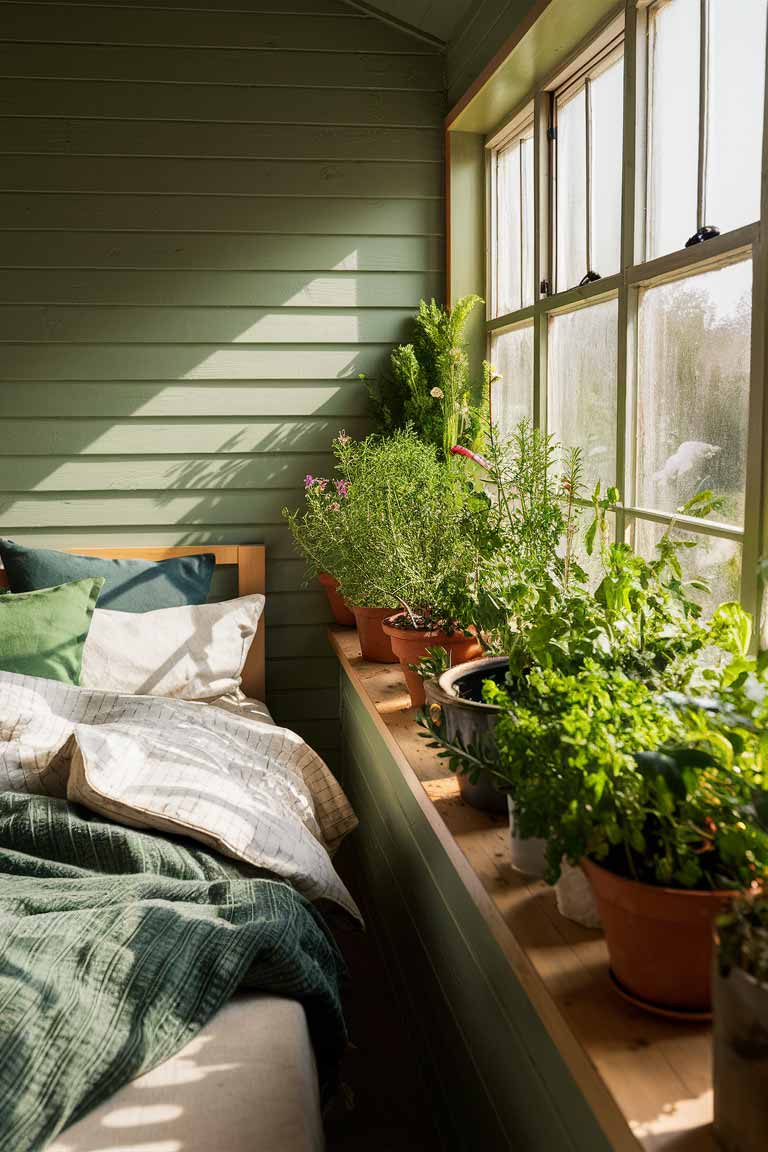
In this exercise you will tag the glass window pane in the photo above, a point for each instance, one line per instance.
(512, 393)
(715, 560)
(507, 230)
(736, 82)
(526, 184)
(582, 386)
(606, 104)
(693, 385)
(571, 191)
(674, 139)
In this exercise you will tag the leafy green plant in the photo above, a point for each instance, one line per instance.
(316, 529)
(663, 788)
(743, 937)
(410, 527)
(429, 384)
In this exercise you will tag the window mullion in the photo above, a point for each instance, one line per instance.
(521, 238)
(753, 586)
(588, 167)
(543, 196)
(703, 114)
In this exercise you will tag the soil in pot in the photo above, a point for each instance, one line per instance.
(459, 694)
(659, 939)
(409, 644)
(342, 613)
(740, 1037)
(374, 644)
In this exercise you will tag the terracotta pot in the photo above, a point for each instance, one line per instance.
(374, 645)
(659, 939)
(342, 613)
(410, 644)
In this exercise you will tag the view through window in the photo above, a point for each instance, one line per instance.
(624, 229)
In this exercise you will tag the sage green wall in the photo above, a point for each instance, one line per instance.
(487, 26)
(212, 221)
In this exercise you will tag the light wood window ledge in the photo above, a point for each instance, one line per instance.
(647, 1080)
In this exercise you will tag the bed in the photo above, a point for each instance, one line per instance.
(248, 1080)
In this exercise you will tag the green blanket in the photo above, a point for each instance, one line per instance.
(117, 946)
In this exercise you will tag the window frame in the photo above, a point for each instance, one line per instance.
(636, 273)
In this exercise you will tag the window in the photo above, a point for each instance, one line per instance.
(706, 61)
(607, 327)
(587, 134)
(512, 203)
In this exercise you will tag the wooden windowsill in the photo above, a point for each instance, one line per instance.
(647, 1079)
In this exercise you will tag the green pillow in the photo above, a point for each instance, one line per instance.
(43, 633)
(129, 585)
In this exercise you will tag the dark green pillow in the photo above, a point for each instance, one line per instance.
(129, 585)
(43, 633)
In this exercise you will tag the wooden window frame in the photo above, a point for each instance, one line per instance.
(636, 273)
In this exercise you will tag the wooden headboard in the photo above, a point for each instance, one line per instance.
(250, 561)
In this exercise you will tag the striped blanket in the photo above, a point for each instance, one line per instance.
(117, 946)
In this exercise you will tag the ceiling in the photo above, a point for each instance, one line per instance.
(437, 18)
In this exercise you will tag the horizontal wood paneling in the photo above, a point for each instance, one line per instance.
(362, 70)
(196, 251)
(191, 177)
(158, 473)
(204, 436)
(217, 102)
(168, 138)
(213, 216)
(187, 362)
(310, 215)
(94, 24)
(254, 289)
(267, 398)
(62, 323)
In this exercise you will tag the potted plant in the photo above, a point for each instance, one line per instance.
(659, 796)
(412, 528)
(740, 1030)
(316, 531)
(429, 388)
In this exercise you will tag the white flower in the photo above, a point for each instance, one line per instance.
(437, 393)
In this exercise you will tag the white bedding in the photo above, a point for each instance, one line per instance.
(246, 788)
(247, 1082)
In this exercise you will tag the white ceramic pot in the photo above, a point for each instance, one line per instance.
(527, 855)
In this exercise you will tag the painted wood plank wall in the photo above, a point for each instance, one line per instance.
(213, 216)
(488, 24)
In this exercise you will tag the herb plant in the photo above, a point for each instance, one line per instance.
(316, 529)
(662, 788)
(411, 528)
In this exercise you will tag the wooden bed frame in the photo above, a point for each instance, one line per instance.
(250, 561)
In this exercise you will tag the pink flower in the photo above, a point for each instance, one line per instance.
(335, 506)
(458, 450)
(308, 481)
(342, 488)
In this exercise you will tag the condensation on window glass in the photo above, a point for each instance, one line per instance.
(512, 393)
(526, 219)
(508, 230)
(606, 105)
(581, 389)
(571, 191)
(693, 386)
(715, 560)
(735, 113)
(674, 125)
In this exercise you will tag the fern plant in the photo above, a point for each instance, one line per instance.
(429, 385)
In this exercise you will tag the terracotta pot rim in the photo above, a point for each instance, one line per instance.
(626, 883)
(418, 635)
(327, 578)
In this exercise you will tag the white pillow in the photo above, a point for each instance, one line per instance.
(195, 652)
